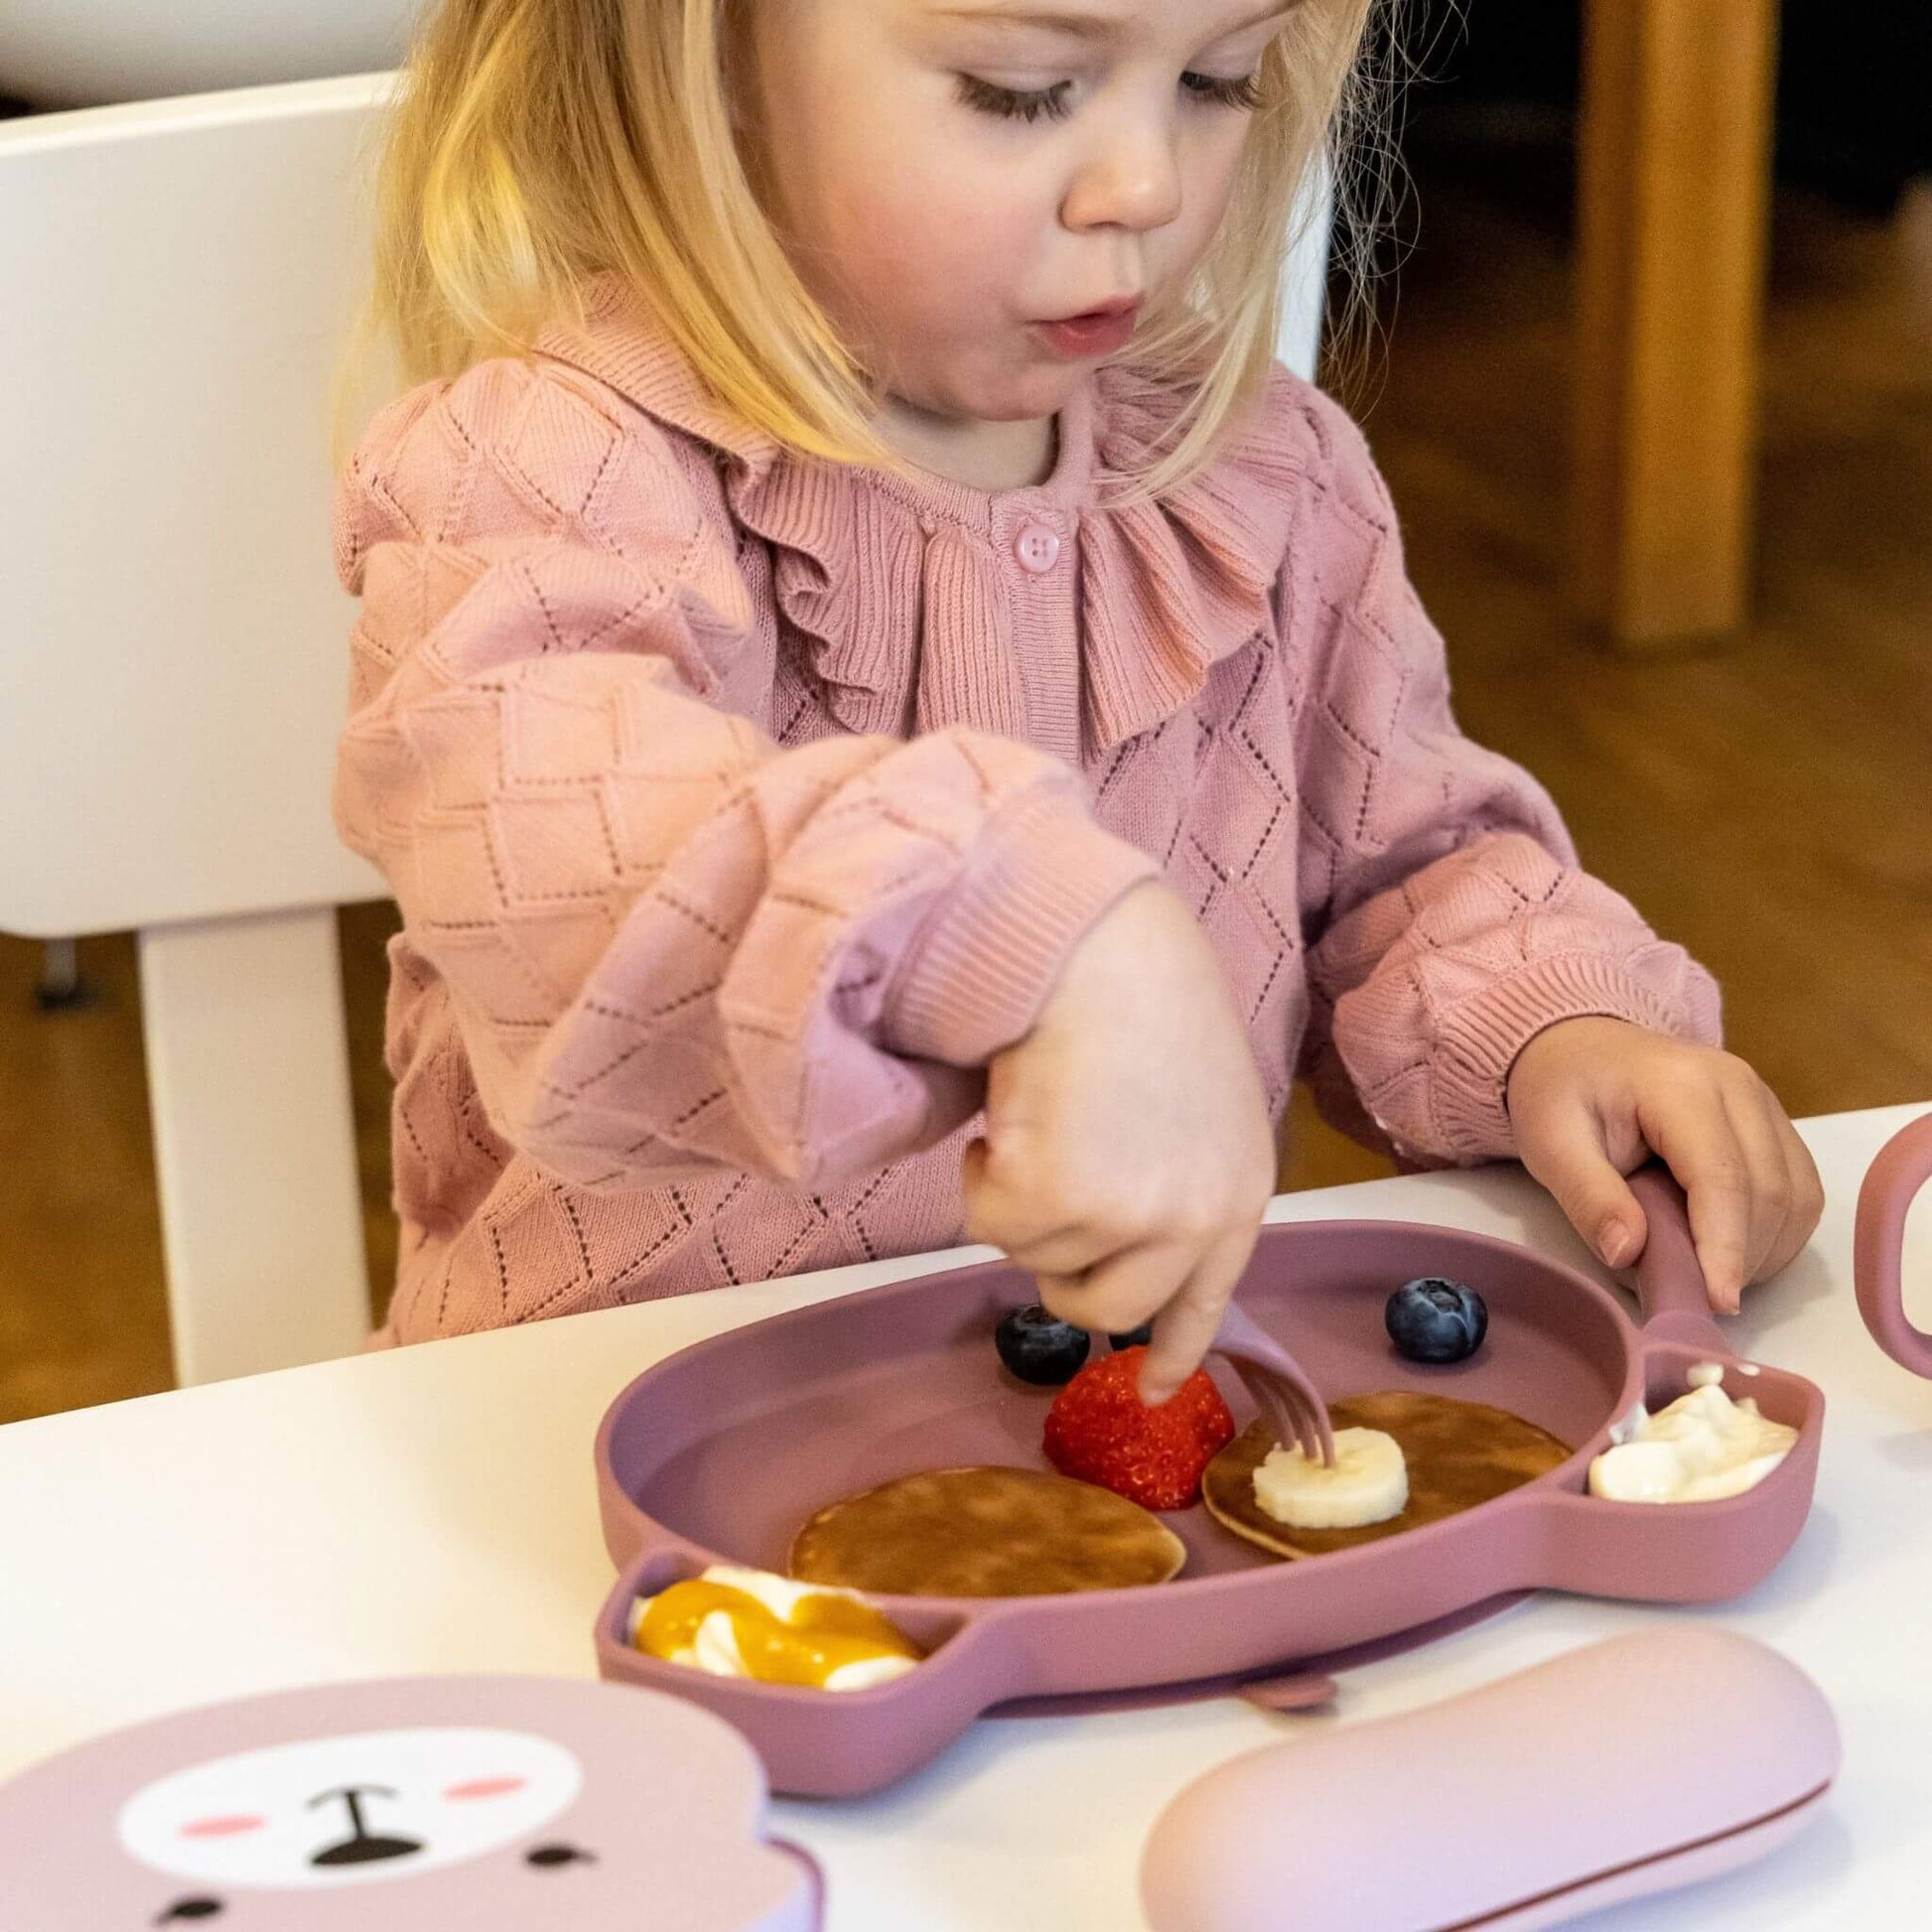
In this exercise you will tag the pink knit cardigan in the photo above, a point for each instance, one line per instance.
(740, 806)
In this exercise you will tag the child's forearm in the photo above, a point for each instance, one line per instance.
(1439, 985)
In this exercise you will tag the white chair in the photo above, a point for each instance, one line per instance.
(173, 652)
(171, 657)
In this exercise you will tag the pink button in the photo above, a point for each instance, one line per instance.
(1037, 548)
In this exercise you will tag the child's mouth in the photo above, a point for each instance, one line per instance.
(1095, 331)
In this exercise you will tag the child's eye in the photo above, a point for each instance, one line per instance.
(1014, 103)
(1245, 92)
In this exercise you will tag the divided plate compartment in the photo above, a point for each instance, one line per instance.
(719, 1454)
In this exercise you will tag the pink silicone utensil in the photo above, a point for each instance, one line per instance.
(1277, 1384)
(1669, 1279)
(1624, 1768)
(722, 1451)
(1903, 1166)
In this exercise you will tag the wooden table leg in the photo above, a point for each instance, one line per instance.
(1674, 177)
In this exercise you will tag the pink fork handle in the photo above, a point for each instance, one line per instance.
(1278, 1383)
(1903, 1166)
(1670, 1281)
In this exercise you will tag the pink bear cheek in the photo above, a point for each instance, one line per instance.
(222, 1826)
(485, 1788)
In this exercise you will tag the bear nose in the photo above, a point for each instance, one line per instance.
(362, 1847)
(365, 1850)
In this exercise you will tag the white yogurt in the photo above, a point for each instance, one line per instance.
(1700, 1447)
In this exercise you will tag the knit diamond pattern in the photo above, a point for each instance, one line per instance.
(740, 808)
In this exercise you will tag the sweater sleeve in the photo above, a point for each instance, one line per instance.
(1447, 917)
(670, 946)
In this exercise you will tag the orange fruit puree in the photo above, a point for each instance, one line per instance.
(824, 1633)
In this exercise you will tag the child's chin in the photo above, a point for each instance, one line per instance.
(1037, 392)
(1028, 390)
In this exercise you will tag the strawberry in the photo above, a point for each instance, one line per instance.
(1101, 1431)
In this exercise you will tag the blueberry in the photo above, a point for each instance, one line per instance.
(1041, 1347)
(1135, 1337)
(1436, 1320)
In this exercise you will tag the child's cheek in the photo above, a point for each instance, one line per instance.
(925, 244)
(937, 200)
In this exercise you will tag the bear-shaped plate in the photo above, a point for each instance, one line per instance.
(721, 1451)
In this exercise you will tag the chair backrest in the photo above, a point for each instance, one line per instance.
(172, 650)
(171, 663)
(172, 656)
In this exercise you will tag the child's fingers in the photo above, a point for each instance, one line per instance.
(1807, 1198)
(1039, 1235)
(1186, 1326)
(1767, 1175)
(1069, 1251)
(1122, 1291)
(1696, 1141)
(1565, 1151)
(1794, 1187)
(976, 1188)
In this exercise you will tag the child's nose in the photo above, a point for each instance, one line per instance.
(1133, 182)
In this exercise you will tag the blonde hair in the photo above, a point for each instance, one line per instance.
(535, 142)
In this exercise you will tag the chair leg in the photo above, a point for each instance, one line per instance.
(254, 1142)
(60, 984)
(1674, 177)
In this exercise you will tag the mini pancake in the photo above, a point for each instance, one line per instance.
(1459, 1455)
(985, 1532)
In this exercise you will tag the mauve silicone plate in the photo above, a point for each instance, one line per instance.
(721, 1451)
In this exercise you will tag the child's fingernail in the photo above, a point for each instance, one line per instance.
(1613, 1242)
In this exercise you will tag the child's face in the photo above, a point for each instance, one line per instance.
(953, 174)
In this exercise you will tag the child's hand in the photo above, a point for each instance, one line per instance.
(1591, 1100)
(1127, 1153)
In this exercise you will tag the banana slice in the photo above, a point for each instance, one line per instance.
(1368, 1483)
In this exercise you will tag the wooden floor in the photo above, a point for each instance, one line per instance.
(1768, 804)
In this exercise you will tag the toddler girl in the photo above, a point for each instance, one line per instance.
(889, 717)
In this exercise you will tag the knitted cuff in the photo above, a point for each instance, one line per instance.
(1481, 1037)
(1037, 882)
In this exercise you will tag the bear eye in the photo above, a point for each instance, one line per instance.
(190, 1909)
(544, 1857)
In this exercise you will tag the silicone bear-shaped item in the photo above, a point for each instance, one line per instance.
(498, 1804)
(1627, 1767)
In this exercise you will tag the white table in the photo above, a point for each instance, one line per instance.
(433, 1510)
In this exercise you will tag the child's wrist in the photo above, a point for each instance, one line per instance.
(996, 950)
(1561, 1039)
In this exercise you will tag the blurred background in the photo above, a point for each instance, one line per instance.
(1711, 640)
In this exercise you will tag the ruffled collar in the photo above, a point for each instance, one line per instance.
(1168, 587)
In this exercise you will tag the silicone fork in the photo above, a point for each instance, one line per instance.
(1280, 1386)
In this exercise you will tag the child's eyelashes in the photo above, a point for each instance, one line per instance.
(1054, 104)
(1017, 103)
(1243, 93)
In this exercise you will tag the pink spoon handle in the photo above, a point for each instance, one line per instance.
(1670, 1280)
